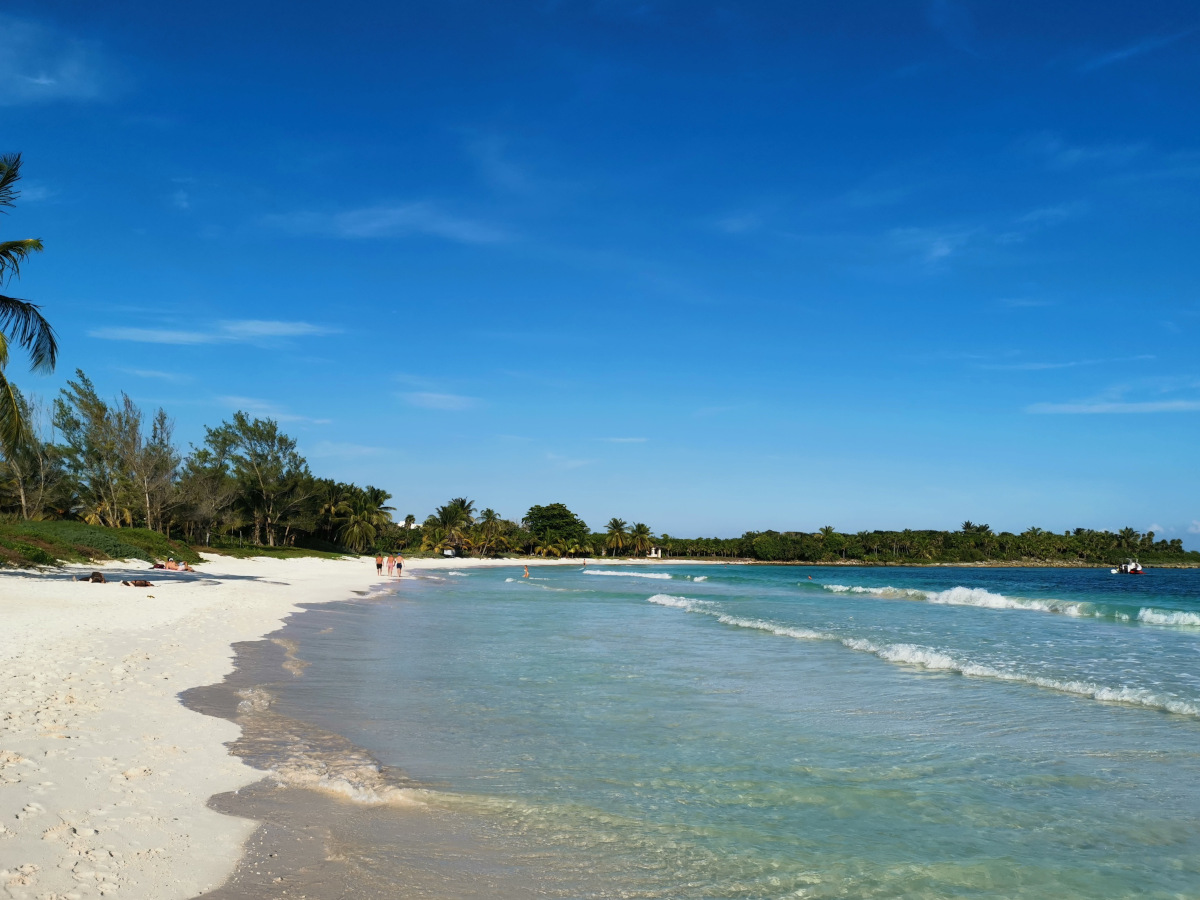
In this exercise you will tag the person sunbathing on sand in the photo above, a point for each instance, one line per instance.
(171, 564)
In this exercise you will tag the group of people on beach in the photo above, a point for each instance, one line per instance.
(395, 563)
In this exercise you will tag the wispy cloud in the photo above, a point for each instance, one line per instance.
(175, 377)
(624, 440)
(180, 200)
(931, 245)
(1194, 528)
(1119, 407)
(567, 462)
(1025, 302)
(344, 450)
(1072, 364)
(739, 223)
(490, 154)
(39, 64)
(257, 407)
(1060, 154)
(245, 331)
(953, 22)
(1146, 45)
(377, 222)
(434, 400)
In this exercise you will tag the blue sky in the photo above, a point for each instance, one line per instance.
(709, 266)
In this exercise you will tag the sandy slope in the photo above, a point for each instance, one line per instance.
(104, 775)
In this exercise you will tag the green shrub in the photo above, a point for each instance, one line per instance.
(76, 541)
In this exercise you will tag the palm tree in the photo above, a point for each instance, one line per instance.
(433, 537)
(361, 517)
(467, 507)
(453, 519)
(640, 539)
(617, 535)
(827, 531)
(20, 320)
(489, 525)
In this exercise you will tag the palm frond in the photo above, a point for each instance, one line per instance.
(22, 321)
(13, 428)
(13, 253)
(10, 174)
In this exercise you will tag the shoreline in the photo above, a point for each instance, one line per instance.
(105, 775)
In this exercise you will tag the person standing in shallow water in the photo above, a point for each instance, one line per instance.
(526, 575)
(378, 563)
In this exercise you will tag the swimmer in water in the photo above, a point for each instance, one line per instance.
(526, 575)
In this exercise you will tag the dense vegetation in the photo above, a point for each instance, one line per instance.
(970, 544)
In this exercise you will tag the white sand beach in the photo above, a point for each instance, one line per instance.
(104, 774)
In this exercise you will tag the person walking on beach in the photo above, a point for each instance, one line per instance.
(391, 563)
(378, 563)
(399, 565)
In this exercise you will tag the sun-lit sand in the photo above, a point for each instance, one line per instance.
(104, 775)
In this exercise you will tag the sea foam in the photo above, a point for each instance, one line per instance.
(661, 575)
(968, 596)
(934, 659)
(1164, 617)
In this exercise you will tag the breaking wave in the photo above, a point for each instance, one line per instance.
(983, 599)
(1167, 617)
(938, 660)
(699, 578)
(660, 575)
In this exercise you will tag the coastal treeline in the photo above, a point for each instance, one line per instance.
(110, 463)
(113, 464)
(970, 543)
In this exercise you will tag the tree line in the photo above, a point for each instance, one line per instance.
(970, 543)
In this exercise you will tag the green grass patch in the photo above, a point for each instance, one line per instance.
(47, 543)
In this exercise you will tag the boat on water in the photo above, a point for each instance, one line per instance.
(1129, 567)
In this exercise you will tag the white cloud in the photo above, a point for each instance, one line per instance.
(1194, 528)
(433, 400)
(343, 450)
(261, 408)
(953, 22)
(1061, 155)
(152, 335)
(180, 200)
(389, 222)
(497, 170)
(739, 223)
(566, 462)
(1143, 46)
(39, 64)
(152, 373)
(232, 331)
(1102, 407)
(1073, 364)
(251, 329)
(930, 244)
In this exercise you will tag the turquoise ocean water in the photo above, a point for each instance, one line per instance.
(751, 732)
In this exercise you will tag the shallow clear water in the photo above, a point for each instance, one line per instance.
(749, 732)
